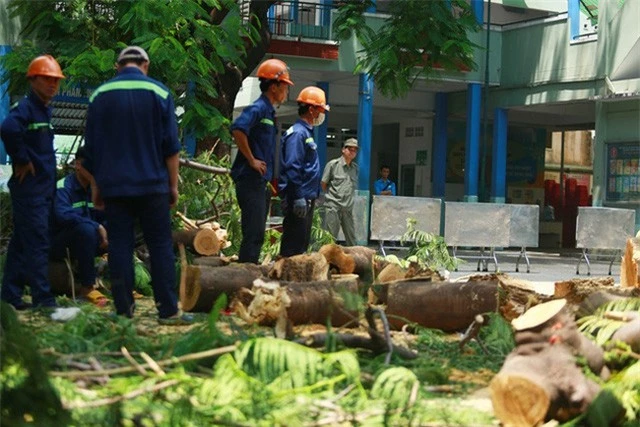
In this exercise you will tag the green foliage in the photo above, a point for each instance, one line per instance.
(85, 36)
(601, 328)
(427, 249)
(26, 392)
(319, 235)
(418, 37)
(142, 278)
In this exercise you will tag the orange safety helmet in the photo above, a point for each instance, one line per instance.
(45, 65)
(313, 95)
(274, 69)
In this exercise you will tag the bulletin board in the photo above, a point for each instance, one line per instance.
(623, 171)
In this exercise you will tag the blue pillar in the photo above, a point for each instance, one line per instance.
(478, 10)
(365, 123)
(373, 7)
(440, 146)
(293, 11)
(499, 151)
(320, 132)
(472, 147)
(574, 19)
(271, 19)
(325, 17)
(4, 103)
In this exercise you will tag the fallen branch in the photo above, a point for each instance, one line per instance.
(204, 168)
(126, 396)
(133, 362)
(127, 369)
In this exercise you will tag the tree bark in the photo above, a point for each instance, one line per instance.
(630, 265)
(538, 383)
(317, 302)
(203, 285)
(448, 306)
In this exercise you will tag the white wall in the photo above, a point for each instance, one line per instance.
(409, 146)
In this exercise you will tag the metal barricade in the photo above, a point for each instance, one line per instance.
(477, 225)
(389, 215)
(603, 228)
(523, 230)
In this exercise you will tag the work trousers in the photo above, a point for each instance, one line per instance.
(152, 212)
(83, 242)
(253, 199)
(296, 231)
(27, 260)
(334, 218)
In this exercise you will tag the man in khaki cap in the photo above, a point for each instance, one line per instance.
(339, 182)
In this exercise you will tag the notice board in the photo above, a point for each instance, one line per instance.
(623, 171)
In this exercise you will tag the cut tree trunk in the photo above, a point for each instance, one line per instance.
(589, 294)
(200, 286)
(60, 279)
(301, 268)
(540, 382)
(449, 306)
(210, 261)
(630, 265)
(318, 302)
(276, 303)
(203, 241)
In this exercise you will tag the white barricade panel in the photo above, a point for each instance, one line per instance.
(604, 228)
(477, 224)
(525, 223)
(389, 215)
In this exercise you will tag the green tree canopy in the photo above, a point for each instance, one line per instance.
(202, 44)
(417, 38)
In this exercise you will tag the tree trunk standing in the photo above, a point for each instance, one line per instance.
(228, 83)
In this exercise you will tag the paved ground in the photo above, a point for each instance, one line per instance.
(546, 266)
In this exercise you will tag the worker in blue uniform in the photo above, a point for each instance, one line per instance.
(300, 173)
(383, 185)
(27, 134)
(78, 229)
(254, 132)
(133, 154)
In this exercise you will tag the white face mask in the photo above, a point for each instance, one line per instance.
(319, 120)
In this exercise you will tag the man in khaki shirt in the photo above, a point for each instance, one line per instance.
(339, 182)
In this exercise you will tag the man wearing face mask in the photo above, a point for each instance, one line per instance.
(299, 180)
(255, 134)
(339, 182)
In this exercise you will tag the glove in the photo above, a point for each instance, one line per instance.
(300, 208)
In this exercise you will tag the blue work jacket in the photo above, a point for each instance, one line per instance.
(299, 163)
(131, 130)
(258, 122)
(73, 206)
(27, 134)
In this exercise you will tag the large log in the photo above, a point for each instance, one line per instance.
(541, 380)
(449, 306)
(200, 286)
(297, 303)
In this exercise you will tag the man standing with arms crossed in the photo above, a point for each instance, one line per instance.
(255, 134)
(299, 181)
(133, 153)
(339, 182)
(28, 137)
